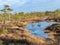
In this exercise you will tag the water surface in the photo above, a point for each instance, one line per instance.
(37, 28)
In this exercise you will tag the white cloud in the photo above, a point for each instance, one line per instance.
(13, 2)
(41, 1)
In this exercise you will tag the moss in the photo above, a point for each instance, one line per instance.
(12, 44)
(1, 42)
(3, 31)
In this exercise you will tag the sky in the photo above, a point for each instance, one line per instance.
(31, 5)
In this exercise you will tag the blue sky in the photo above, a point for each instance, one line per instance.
(32, 5)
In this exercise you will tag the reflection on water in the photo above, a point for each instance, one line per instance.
(37, 28)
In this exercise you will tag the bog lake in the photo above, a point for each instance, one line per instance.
(37, 28)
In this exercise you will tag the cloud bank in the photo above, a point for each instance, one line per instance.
(13, 2)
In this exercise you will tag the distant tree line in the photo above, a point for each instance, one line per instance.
(7, 15)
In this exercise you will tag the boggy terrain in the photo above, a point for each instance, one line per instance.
(17, 35)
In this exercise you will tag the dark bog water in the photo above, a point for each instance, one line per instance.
(37, 28)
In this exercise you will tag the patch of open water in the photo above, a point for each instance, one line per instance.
(37, 28)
